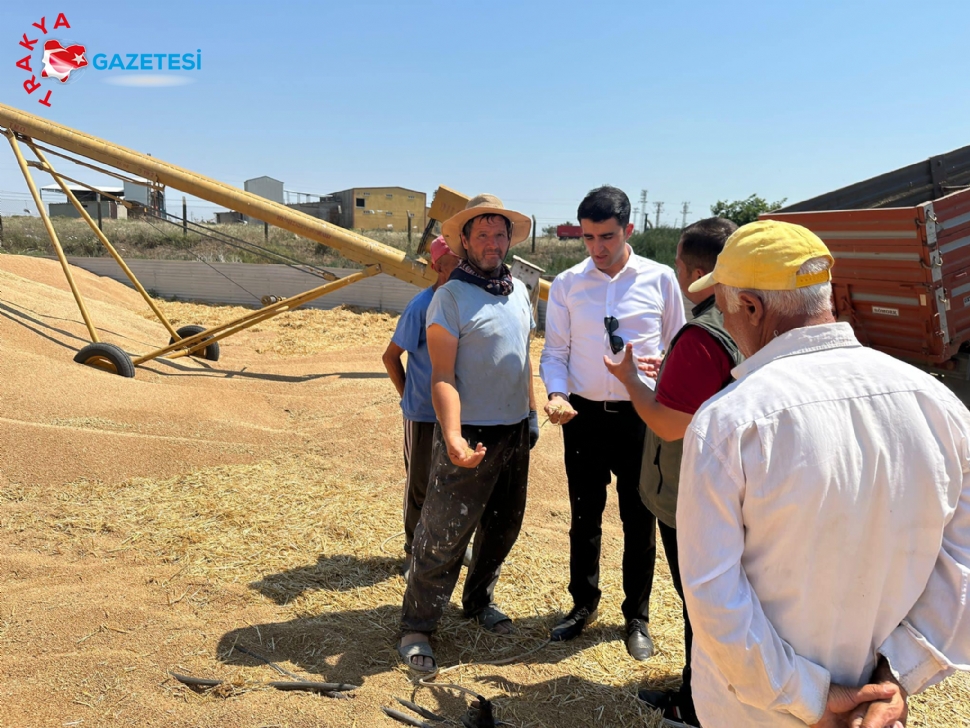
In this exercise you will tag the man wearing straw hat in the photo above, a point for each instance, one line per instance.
(414, 387)
(823, 518)
(481, 386)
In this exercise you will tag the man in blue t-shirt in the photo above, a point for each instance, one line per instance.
(414, 387)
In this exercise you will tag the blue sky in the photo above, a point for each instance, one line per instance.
(536, 102)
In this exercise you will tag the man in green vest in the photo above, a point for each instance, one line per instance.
(696, 366)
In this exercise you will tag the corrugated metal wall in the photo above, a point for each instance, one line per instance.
(225, 283)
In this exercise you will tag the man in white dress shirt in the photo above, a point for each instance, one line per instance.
(823, 518)
(595, 308)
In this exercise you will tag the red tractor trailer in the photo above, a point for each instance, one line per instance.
(901, 243)
(569, 232)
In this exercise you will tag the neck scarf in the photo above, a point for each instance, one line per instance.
(469, 273)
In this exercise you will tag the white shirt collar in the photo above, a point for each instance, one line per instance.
(803, 340)
(631, 264)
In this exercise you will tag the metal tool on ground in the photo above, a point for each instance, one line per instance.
(423, 712)
(480, 713)
(407, 719)
(329, 689)
(19, 127)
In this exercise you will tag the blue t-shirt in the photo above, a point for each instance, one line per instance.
(411, 336)
(492, 364)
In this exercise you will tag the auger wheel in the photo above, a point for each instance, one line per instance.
(108, 357)
(210, 352)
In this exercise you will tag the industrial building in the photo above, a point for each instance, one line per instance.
(230, 217)
(325, 207)
(110, 210)
(382, 208)
(145, 195)
(271, 189)
(359, 208)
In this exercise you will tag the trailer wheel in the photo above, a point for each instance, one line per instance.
(108, 357)
(210, 352)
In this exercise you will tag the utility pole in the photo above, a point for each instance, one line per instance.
(636, 217)
(643, 206)
(185, 223)
(533, 233)
(684, 210)
(659, 206)
(98, 198)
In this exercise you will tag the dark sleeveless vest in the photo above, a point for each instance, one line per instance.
(660, 470)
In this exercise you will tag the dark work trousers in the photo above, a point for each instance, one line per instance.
(668, 536)
(418, 439)
(490, 498)
(607, 437)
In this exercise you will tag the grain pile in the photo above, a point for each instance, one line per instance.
(151, 524)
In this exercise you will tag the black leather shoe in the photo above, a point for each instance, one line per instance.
(572, 625)
(668, 702)
(656, 699)
(638, 642)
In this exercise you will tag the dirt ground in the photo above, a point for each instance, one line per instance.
(155, 524)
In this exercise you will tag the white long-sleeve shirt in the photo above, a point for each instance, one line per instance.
(645, 300)
(823, 518)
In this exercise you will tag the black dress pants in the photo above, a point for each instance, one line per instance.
(668, 536)
(604, 438)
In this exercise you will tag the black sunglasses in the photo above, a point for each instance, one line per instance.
(616, 343)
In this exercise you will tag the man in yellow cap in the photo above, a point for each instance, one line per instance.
(481, 387)
(823, 518)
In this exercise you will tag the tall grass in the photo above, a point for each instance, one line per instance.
(163, 241)
(659, 244)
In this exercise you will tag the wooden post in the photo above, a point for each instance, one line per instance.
(266, 232)
(409, 215)
(533, 233)
(185, 223)
(98, 196)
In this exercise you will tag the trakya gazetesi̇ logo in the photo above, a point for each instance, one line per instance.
(61, 60)
(57, 60)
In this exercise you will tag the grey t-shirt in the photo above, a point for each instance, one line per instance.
(492, 365)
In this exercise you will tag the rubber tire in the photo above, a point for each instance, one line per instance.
(108, 357)
(210, 352)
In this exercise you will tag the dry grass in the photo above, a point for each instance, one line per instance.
(257, 524)
(159, 240)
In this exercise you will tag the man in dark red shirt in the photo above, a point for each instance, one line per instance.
(696, 366)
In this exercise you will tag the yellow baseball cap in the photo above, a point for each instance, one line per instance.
(765, 255)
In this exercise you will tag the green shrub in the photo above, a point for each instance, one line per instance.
(659, 244)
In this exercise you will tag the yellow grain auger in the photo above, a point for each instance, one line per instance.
(41, 135)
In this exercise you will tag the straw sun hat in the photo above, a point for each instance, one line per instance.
(483, 204)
